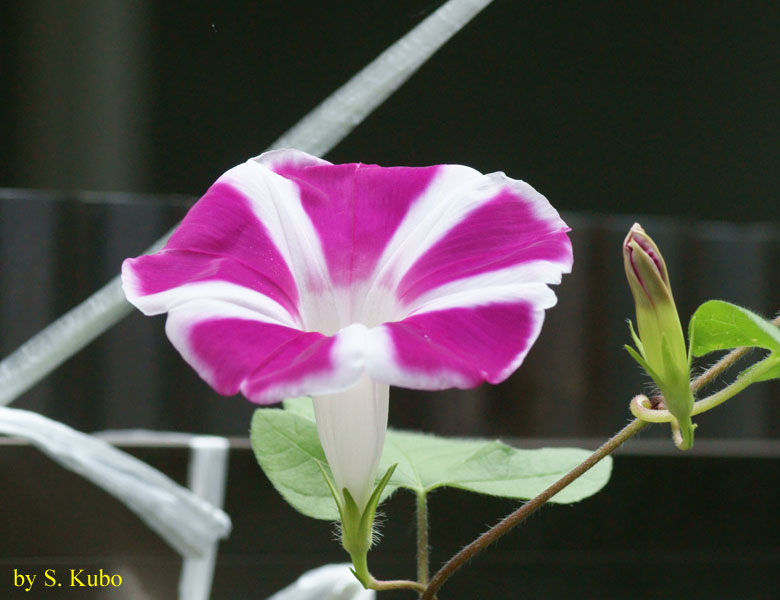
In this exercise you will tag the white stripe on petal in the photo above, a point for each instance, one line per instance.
(213, 299)
(276, 202)
(444, 204)
(349, 364)
(382, 365)
(486, 288)
(456, 192)
(288, 156)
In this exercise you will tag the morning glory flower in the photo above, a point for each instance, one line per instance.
(293, 276)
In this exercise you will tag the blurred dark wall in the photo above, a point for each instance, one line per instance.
(569, 552)
(56, 249)
(645, 107)
(651, 108)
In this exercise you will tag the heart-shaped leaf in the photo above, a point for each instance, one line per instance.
(718, 325)
(286, 446)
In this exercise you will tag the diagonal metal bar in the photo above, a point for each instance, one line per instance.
(331, 121)
(317, 133)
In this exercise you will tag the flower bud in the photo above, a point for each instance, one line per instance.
(660, 343)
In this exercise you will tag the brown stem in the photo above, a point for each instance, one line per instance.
(517, 517)
(724, 363)
(395, 584)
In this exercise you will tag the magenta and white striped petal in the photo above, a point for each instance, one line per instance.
(236, 351)
(295, 276)
(460, 340)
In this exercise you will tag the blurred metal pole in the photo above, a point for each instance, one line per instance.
(316, 133)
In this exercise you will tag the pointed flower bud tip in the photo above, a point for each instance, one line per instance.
(645, 267)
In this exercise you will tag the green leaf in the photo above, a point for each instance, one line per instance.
(302, 406)
(286, 446)
(718, 325)
(426, 462)
(642, 362)
(288, 450)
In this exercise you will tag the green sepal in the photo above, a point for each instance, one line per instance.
(678, 380)
(636, 339)
(677, 395)
(642, 362)
(332, 488)
(369, 512)
(353, 538)
(357, 527)
(691, 336)
(675, 389)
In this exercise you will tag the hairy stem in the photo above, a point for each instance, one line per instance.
(641, 409)
(719, 367)
(395, 584)
(734, 388)
(422, 538)
(517, 517)
(630, 430)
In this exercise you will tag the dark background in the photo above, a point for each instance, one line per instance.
(668, 527)
(666, 112)
(645, 107)
(661, 111)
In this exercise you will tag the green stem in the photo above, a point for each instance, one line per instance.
(517, 517)
(423, 548)
(655, 415)
(744, 380)
(360, 564)
(395, 584)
